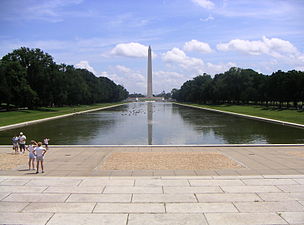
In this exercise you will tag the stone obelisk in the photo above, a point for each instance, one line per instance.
(149, 83)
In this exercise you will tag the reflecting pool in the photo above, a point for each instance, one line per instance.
(156, 123)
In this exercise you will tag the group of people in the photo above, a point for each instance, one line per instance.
(35, 149)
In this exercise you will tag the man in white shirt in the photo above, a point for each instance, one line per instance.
(39, 152)
(22, 141)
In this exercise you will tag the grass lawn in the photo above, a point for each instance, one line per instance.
(12, 117)
(287, 115)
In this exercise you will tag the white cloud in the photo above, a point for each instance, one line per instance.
(85, 65)
(167, 80)
(50, 11)
(178, 56)
(211, 68)
(132, 80)
(194, 66)
(132, 49)
(195, 45)
(207, 19)
(274, 47)
(207, 4)
(300, 68)
(256, 9)
(123, 69)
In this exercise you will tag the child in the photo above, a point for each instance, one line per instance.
(32, 157)
(39, 152)
(46, 143)
(15, 141)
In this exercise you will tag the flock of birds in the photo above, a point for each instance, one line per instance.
(134, 111)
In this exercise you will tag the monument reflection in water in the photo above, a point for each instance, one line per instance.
(150, 122)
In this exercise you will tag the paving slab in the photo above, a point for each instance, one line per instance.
(266, 182)
(99, 198)
(14, 182)
(12, 206)
(293, 217)
(3, 195)
(216, 183)
(38, 207)
(280, 176)
(127, 189)
(283, 206)
(129, 208)
(164, 198)
(57, 182)
(299, 181)
(102, 182)
(186, 177)
(161, 182)
(176, 190)
(25, 218)
(199, 207)
(36, 197)
(88, 219)
(250, 189)
(282, 196)
(74, 189)
(21, 189)
(243, 218)
(292, 188)
(226, 197)
(166, 219)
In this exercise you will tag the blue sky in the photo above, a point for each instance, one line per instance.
(188, 37)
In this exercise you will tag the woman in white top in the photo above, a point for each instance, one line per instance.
(39, 152)
(32, 157)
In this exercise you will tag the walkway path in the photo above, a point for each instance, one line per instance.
(87, 161)
(196, 200)
(75, 190)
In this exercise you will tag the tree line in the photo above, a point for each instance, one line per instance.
(244, 86)
(30, 78)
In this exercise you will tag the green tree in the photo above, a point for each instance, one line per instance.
(14, 87)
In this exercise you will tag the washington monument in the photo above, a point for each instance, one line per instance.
(149, 83)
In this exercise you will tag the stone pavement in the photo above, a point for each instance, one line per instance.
(87, 161)
(269, 189)
(190, 200)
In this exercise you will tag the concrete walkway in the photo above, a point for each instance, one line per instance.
(269, 189)
(196, 200)
(87, 161)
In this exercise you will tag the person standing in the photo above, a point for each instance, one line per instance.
(32, 157)
(39, 152)
(22, 141)
(46, 143)
(15, 141)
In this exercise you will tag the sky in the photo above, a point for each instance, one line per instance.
(187, 37)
